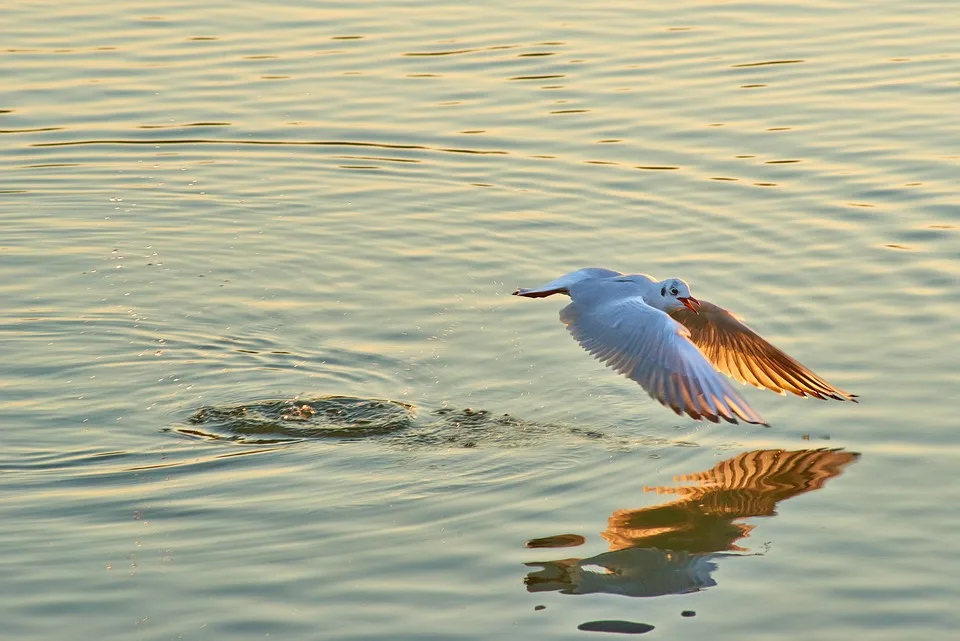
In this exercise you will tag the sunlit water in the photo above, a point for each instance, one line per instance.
(261, 374)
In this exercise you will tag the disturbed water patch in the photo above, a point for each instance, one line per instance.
(346, 418)
(276, 421)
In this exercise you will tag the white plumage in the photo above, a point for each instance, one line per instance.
(657, 334)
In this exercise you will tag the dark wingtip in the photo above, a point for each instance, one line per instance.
(844, 396)
(834, 394)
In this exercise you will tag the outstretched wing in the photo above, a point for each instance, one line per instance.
(649, 347)
(738, 351)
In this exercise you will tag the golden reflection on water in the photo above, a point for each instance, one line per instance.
(671, 548)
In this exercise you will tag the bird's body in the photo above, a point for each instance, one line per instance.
(657, 334)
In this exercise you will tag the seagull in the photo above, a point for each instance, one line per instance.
(675, 346)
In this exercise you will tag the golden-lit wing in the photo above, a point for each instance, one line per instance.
(647, 346)
(738, 351)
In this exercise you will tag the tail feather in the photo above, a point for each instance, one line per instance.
(540, 292)
(562, 284)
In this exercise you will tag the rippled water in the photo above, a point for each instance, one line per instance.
(262, 374)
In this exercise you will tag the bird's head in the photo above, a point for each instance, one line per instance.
(675, 294)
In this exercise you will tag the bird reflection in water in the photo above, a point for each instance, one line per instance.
(672, 548)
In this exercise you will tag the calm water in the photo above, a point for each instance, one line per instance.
(262, 375)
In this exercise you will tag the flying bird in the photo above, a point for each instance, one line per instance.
(675, 346)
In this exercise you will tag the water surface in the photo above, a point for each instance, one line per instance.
(262, 374)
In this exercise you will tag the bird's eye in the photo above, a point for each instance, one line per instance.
(673, 290)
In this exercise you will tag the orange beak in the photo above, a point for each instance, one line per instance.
(691, 303)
